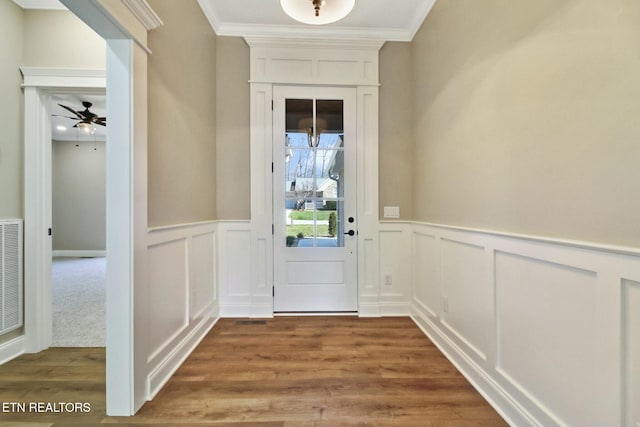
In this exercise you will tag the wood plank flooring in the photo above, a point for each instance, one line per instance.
(281, 372)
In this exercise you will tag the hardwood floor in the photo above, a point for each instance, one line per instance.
(281, 372)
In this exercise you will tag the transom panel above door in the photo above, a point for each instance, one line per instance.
(314, 199)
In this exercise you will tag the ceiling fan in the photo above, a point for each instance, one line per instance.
(86, 118)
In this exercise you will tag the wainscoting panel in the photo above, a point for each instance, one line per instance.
(467, 305)
(238, 262)
(426, 283)
(234, 279)
(631, 348)
(168, 292)
(203, 273)
(394, 268)
(182, 304)
(555, 322)
(546, 354)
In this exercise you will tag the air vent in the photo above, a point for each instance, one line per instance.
(10, 275)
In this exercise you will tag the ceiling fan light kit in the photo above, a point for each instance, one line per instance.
(86, 119)
(317, 12)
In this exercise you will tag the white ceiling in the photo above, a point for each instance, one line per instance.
(383, 20)
(75, 102)
(380, 20)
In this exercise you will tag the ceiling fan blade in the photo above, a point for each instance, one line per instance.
(72, 110)
(66, 117)
(101, 123)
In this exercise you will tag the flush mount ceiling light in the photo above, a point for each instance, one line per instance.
(317, 12)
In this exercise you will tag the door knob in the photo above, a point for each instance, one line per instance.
(350, 233)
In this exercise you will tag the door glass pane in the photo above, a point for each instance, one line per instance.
(330, 122)
(314, 173)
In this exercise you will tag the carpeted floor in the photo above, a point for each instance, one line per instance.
(78, 302)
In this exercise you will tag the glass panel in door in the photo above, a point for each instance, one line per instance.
(314, 173)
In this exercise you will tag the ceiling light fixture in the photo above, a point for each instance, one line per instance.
(306, 125)
(317, 12)
(84, 127)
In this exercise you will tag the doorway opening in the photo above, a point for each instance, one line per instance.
(78, 180)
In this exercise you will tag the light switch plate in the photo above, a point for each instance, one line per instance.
(392, 211)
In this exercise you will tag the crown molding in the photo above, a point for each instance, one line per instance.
(420, 17)
(212, 15)
(40, 4)
(297, 31)
(145, 14)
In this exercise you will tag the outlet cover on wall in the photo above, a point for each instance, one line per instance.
(388, 279)
(392, 211)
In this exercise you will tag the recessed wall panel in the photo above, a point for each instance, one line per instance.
(202, 278)
(293, 68)
(394, 261)
(468, 304)
(335, 70)
(546, 334)
(426, 272)
(167, 292)
(238, 258)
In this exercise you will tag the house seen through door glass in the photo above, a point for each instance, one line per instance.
(314, 173)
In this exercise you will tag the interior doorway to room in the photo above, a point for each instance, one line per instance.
(314, 199)
(78, 180)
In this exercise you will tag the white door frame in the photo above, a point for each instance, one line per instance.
(308, 62)
(39, 84)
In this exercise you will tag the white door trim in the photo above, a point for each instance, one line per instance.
(38, 84)
(329, 63)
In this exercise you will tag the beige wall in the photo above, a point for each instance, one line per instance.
(232, 118)
(526, 118)
(60, 39)
(79, 195)
(182, 115)
(11, 107)
(33, 38)
(395, 138)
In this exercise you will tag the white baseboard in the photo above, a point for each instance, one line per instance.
(159, 376)
(11, 349)
(235, 310)
(79, 254)
(397, 309)
(246, 310)
(368, 310)
(262, 311)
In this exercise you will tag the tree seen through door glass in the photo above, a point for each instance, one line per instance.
(314, 173)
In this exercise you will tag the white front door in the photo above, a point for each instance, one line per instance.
(314, 199)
